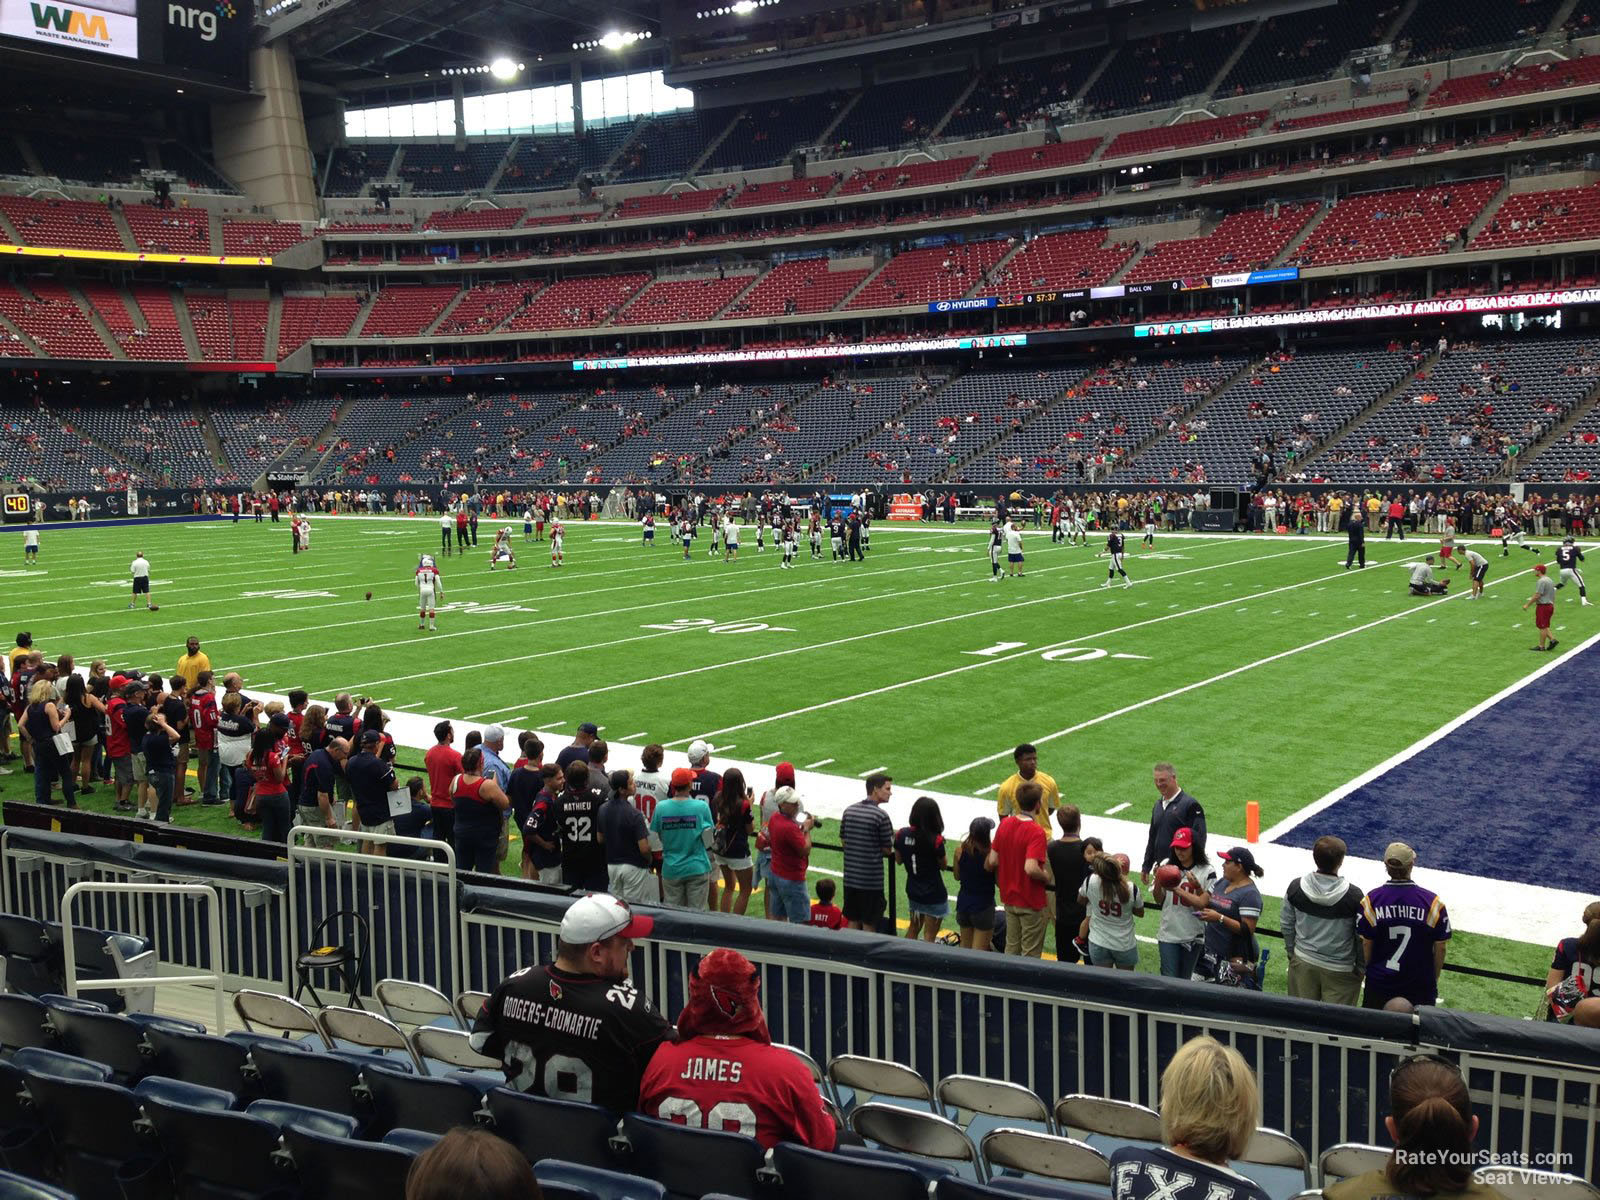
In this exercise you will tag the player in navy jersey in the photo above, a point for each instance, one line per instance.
(994, 551)
(1568, 556)
(836, 536)
(1403, 928)
(789, 540)
(1114, 546)
(816, 536)
(649, 529)
(1572, 989)
(577, 1029)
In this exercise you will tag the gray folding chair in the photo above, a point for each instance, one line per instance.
(367, 1030)
(1348, 1159)
(1108, 1125)
(1276, 1161)
(467, 1004)
(1525, 1183)
(416, 1004)
(877, 1078)
(451, 1047)
(921, 1133)
(1045, 1154)
(266, 1010)
(963, 1098)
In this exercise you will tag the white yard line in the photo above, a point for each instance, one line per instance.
(1116, 808)
(1421, 744)
(873, 771)
(761, 758)
(984, 791)
(822, 762)
(1218, 678)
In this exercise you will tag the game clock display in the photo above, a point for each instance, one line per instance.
(18, 507)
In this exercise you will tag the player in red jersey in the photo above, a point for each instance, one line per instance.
(723, 1072)
(557, 533)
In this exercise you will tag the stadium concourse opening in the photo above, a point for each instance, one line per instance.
(1089, 488)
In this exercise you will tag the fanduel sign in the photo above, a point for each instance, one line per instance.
(109, 27)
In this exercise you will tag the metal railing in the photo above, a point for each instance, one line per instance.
(196, 890)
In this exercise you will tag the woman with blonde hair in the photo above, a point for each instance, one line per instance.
(1210, 1107)
(1433, 1130)
(42, 720)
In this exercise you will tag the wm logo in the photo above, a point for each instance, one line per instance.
(47, 17)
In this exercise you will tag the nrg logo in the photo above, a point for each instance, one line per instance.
(202, 20)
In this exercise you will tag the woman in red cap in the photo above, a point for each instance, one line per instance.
(784, 778)
(722, 1071)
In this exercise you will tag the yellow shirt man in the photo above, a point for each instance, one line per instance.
(1006, 798)
(191, 664)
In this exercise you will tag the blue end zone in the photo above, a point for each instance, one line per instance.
(61, 526)
(1509, 795)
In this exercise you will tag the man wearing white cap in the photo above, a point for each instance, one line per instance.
(577, 1029)
(707, 783)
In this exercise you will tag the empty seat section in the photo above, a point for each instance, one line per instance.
(667, 146)
(466, 219)
(1395, 224)
(76, 158)
(307, 316)
(256, 436)
(1339, 116)
(1160, 69)
(1519, 81)
(785, 191)
(70, 223)
(1185, 134)
(407, 311)
(933, 273)
(1529, 218)
(1058, 260)
(482, 309)
(169, 230)
(1245, 241)
(443, 170)
(1047, 157)
(353, 167)
(765, 133)
(48, 314)
(579, 303)
(157, 336)
(1307, 45)
(909, 175)
(809, 285)
(1442, 28)
(683, 300)
(670, 203)
(165, 441)
(1007, 98)
(1575, 456)
(894, 114)
(39, 446)
(262, 238)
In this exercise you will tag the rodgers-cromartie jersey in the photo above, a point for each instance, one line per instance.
(570, 1037)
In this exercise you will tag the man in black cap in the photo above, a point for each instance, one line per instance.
(371, 780)
(579, 750)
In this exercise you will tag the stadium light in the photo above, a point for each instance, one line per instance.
(504, 69)
(613, 39)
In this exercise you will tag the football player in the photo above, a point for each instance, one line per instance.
(994, 550)
(430, 586)
(1479, 566)
(1568, 556)
(730, 540)
(557, 532)
(1511, 531)
(502, 550)
(1149, 539)
(649, 524)
(1114, 547)
(790, 540)
(836, 536)
(816, 536)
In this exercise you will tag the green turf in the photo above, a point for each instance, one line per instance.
(871, 665)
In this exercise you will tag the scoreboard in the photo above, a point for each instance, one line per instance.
(18, 507)
(204, 40)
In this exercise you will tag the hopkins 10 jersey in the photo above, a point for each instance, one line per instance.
(570, 1037)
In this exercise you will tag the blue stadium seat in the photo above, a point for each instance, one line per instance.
(542, 1128)
(20, 1187)
(688, 1162)
(325, 1081)
(557, 1178)
(100, 954)
(334, 1168)
(317, 1120)
(59, 1063)
(806, 1174)
(94, 1128)
(218, 1154)
(930, 1170)
(414, 1141)
(217, 1062)
(24, 1142)
(405, 1101)
(23, 1022)
(25, 952)
(104, 1037)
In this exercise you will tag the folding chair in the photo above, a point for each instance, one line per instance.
(264, 1010)
(467, 1006)
(1348, 1159)
(1108, 1124)
(371, 1031)
(1045, 1154)
(416, 1004)
(912, 1132)
(855, 1075)
(1275, 1161)
(818, 1076)
(980, 1105)
(452, 1048)
(1526, 1183)
(347, 960)
(689, 1162)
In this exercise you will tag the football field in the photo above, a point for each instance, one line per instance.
(1257, 665)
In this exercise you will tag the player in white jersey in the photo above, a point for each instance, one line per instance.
(1568, 556)
(30, 546)
(1013, 537)
(789, 540)
(648, 529)
(502, 550)
(558, 534)
(1479, 568)
(686, 534)
(1080, 528)
(430, 588)
(527, 524)
(730, 541)
(1149, 538)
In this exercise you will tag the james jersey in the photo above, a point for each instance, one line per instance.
(570, 1037)
(736, 1085)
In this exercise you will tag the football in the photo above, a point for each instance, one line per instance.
(1168, 875)
(369, 595)
(155, 608)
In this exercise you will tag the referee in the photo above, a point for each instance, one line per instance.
(1356, 533)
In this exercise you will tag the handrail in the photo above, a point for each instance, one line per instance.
(201, 890)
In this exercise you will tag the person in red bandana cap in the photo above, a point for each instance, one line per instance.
(722, 1071)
